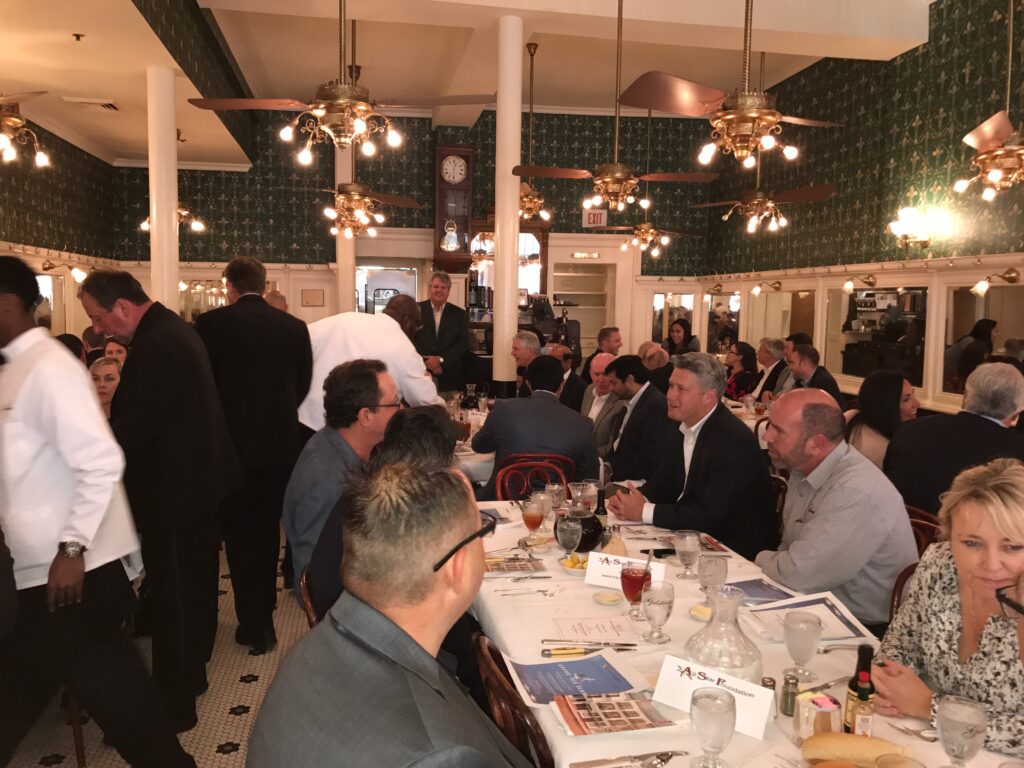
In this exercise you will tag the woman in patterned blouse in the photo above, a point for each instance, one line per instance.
(953, 635)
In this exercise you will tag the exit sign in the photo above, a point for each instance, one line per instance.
(595, 218)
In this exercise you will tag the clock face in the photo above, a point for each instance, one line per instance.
(453, 169)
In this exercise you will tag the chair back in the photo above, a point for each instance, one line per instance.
(925, 526)
(518, 481)
(508, 710)
(567, 465)
(307, 598)
(899, 588)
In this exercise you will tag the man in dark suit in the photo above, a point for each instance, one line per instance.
(774, 373)
(180, 466)
(260, 394)
(609, 340)
(637, 445)
(537, 424)
(572, 388)
(711, 477)
(443, 337)
(803, 364)
(926, 454)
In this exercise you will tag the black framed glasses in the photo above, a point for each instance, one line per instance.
(396, 404)
(1008, 602)
(486, 530)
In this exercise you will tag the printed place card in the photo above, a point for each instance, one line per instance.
(603, 570)
(680, 678)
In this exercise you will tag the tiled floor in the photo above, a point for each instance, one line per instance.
(238, 682)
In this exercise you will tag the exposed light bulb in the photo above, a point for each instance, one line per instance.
(988, 195)
(848, 286)
(705, 158)
(768, 141)
(197, 225)
(621, 206)
(379, 218)
(330, 213)
(752, 224)
(144, 226)
(645, 203)
(361, 216)
(287, 133)
(630, 199)
(981, 287)
(664, 240)
(371, 231)
(305, 157)
(773, 226)
(961, 186)
(624, 246)
(587, 204)
(5, 141)
(643, 246)
(546, 215)
(394, 138)
(359, 126)
(334, 230)
(790, 152)
(725, 217)
(755, 291)
(182, 286)
(995, 175)
(749, 161)
(709, 148)
(783, 221)
(655, 252)
(520, 213)
(78, 275)
(42, 159)
(597, 200)
(348, 233)
(9, 153)
(635, 242)
(369, 149)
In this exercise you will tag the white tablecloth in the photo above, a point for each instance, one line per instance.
(476, 466)
(517, 624)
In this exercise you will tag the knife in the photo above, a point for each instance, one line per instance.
(601, 643)
(630, 761)
(825, 686)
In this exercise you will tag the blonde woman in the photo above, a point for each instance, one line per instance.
(953, 635)
(106, 375)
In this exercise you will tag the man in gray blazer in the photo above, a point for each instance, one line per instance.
(601, 405)
(365, 687)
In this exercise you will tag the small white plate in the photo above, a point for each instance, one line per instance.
(607, 598)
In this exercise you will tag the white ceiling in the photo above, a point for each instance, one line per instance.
(416, 47)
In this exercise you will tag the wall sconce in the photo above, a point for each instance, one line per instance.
(716, 289)
(185, 217)
(78, 275)
(912, 227)
(868, 280)
(775, 285)
(981, 287)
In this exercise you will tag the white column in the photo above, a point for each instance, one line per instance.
(344, 247)
(163, 187)
(506, 194)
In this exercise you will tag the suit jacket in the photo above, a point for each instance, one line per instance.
(777, 375)
(659, 377)
(605, 422)
(167, 416)
(926, 454)
(728, 492)
(640, 447)
(450, 341)
(536, 424)
(357, 690)
(585, 370)
(822, 379)
(263, 364)
(572, 392)
(8, 590)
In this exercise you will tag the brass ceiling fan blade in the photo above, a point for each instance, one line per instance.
(622, 228)
(813, 194)
(399, 201)
(18, 98)
(812, 123)
(526, 189)
(438, 101)
(663, 92)
(224, 105)
(991, 133)
(550, 172)
(716, 203)
(684, 232)
(690, 176)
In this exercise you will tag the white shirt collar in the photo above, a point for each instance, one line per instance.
(634, 398)
(566, 374)
(980, 416)
(696, 427)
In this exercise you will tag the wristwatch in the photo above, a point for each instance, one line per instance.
(71, 549)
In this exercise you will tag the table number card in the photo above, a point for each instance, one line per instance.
(604, 570)
(680, 678)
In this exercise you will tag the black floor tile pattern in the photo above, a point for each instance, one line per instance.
(238, 683)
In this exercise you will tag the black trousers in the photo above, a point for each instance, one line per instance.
(251, 524)
(182, 573)
(84, 647)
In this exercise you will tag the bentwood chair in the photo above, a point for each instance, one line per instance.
(899, 588)
(781, 488)
(567, 465)
(307, 598)
(925, 526)
(518, 481)
(508, 710)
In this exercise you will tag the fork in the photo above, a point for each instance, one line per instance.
(539, 592)
(924, 734)
(528, 576)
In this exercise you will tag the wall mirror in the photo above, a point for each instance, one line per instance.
(979, 325)
(723, 321)
(777, 314)
(666, 309)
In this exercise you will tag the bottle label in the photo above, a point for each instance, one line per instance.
(848, 710)
(862, 725)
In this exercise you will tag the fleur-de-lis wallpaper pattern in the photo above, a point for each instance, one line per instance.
(899, 145)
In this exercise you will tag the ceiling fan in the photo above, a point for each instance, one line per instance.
(614, 182)
(742, 122)
(646, 235)
(998, 148)
(13, 129)
(756, 206)
(341, 111)
(531, 202)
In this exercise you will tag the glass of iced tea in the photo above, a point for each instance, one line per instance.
(633, 578)
(534, 513)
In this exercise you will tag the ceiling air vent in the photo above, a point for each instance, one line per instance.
(91, 104)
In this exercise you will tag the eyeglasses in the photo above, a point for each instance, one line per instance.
(396, 404)
(486, 530)
(1008, 602)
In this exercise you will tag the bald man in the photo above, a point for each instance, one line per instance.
(276, 299)
(601, 405)
(386, 337)
(571, 391)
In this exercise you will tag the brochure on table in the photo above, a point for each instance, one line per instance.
(679, 678)
(605, 672)
(605, 570)
(768, 621)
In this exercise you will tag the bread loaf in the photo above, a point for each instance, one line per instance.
(863, 751)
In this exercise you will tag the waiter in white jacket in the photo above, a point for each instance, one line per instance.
(386, 337)
(67, 523)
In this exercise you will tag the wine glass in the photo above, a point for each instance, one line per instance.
(533, 518)
(713, 714)
(658, 599)
(712, 571)
(557, 493)
(802, 633)
(542, 498)
(633, 579)
(568, 532)
(961, 725)
(687, 544)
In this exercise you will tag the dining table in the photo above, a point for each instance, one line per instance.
(516, 616)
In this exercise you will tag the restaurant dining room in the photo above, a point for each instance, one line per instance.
(553, 383)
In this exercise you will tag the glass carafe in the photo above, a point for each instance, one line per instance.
(721, 644)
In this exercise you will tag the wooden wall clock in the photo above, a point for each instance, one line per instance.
(453, 204)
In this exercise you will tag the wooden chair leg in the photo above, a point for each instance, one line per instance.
(76, 729)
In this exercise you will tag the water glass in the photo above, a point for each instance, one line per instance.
(577, 496)
(590, 494)
(568, 532)
(961, 725)
(712, 571)
(542, 498)
(687, 544)
(658, 599)
(713, 714)
(802, 632)
(557, 493)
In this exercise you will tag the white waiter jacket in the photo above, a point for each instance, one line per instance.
(60, 466)
(352, 335)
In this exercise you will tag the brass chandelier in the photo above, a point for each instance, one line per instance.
(15, 132)
(531, 202)
(185, 217)
(645, 235)
(998, 161)
(354, 211)
(758, 209)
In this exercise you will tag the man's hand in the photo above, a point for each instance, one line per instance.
(627, 506)
(64, 586)
(433, 363)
